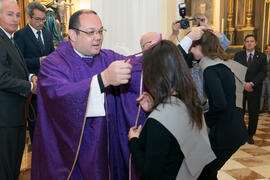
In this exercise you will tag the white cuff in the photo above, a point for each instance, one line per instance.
(31, 86)
(186, 43)
(30, 77)
(95, 105)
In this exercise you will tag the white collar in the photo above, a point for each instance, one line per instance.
(8, 35)
(81, 55)
(34, 30)
(248, 53)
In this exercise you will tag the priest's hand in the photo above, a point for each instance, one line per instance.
(146, 101)
(118, 72)
(134, 132)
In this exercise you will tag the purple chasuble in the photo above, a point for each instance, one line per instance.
(66, 143)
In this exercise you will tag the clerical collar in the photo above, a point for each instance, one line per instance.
(81, 55)
(8, 35)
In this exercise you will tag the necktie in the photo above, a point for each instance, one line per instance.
(249, 60)
(40, 42)
(16, 48)
(12, 40)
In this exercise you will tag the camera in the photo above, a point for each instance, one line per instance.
(184, 22)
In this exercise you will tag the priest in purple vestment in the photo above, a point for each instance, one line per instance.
(86, 103)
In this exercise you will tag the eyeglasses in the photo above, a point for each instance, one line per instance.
(39, 19)
(92, 32)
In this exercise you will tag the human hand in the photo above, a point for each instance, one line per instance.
(248, 87)
(175, 28)
(216, 32)
(34, 78)
(134, 132)
(196, 33)
(204, 22)
(175, 31)
(118, 72)
(34, 81)
(146, 101)
(42, 58)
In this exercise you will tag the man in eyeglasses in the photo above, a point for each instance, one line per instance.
(35, 43)
(86, 104)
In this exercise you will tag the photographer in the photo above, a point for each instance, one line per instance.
(224, 41)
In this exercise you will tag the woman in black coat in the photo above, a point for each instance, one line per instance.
(224, 119)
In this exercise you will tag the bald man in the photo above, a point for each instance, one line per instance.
(149, 39)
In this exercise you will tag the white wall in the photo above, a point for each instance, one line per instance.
(81, 4)
(126, 21)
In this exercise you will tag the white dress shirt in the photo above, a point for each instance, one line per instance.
(35, 33)
(95, 106)
(252, 54)
(186, 43)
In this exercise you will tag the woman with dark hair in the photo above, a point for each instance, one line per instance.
(224, 118)
(173, 144)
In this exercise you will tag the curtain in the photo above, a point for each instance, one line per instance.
(126, 21)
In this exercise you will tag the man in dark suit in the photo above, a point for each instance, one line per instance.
(14, 90)
(256, 63)
(35, 43)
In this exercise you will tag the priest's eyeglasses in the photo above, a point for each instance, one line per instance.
(92, 32)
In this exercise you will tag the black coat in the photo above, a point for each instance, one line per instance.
(225, 120)
(257, 71)
(28, 44)
(14, 84)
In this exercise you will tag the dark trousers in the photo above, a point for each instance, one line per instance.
(12, 142)
(210, 171)
(253, 99)
(31, 124)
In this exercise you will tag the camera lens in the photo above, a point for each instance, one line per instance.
(184, 23)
